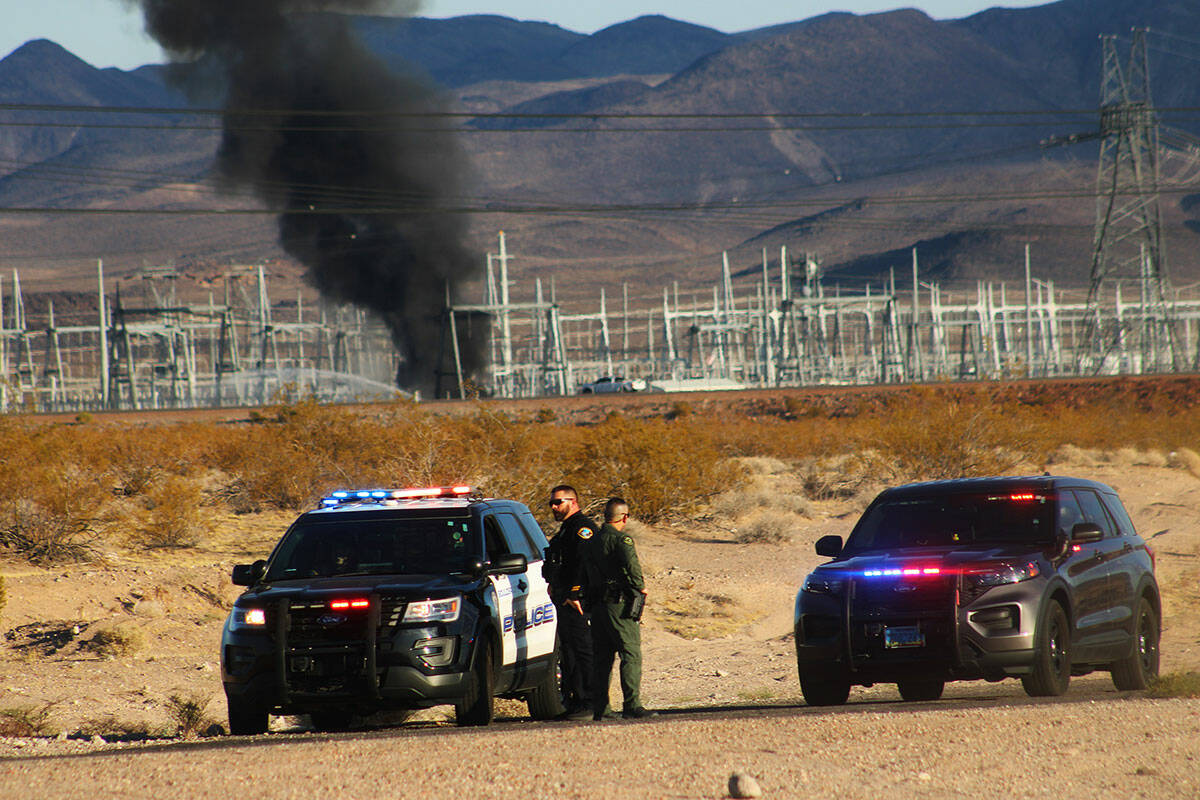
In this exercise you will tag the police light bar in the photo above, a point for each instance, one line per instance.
(366, 495)
(902, 572)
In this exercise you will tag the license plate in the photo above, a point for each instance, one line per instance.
(903, 636)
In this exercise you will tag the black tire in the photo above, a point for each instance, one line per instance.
(1136, 670)
(545, 701)
(245, 719)
(476, 707)
(332, 719)
(1052, 655)
(824, 687)
(916, 690)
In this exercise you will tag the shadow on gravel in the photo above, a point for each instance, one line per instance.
(733, 712)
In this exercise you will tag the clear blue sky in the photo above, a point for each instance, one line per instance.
(108, 33)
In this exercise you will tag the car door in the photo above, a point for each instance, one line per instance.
(1128, 562)
(510, 596)
(1107, 624)
(1085, 571)
(542, 623)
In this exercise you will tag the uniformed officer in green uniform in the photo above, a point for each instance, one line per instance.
(615, 593)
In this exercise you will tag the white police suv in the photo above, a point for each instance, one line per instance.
(394, 599)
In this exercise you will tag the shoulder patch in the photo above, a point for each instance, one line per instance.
(585, 533)
(627, 540)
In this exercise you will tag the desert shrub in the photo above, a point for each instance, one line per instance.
(767, 527)
(1188, 459)
(930, 438)
(821, 484)
(1072, 455)
(843, 476)
(680, 409)
(798, 408)
(661, 468)
(118, 641)
(112, 728)
(312, 449)
(175, 517)
(764, 465)
(694, 614)
(26, 720)
(57, 481)
(189, 713)
(41, 536)
(134, 466)
(545, 415)
(1175, 684)
(760, 497)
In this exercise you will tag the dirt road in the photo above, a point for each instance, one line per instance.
(1091, 743)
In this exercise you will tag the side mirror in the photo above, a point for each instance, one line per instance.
(249, 574)
(829, 546)
(1061, 546)
(1086, 533)
(508, 564)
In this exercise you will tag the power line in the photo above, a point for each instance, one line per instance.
(520, 115)
(582, 208)
(539, 130)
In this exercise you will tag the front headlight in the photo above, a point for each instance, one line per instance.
(819, 583)
(1004, 574)
(249, 618)
(442, 610)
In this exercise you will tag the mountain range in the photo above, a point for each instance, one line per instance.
(641, 152)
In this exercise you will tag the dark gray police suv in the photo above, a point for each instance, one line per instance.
(1039, 578)
(394, 599)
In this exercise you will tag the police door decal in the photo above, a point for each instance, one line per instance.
(537, 622)
(511, 592)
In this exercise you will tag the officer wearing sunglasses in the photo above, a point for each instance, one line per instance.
(563, 570)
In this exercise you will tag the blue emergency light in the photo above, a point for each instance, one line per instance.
(425, 493)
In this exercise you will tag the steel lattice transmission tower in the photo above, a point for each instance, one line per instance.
(1127, 246)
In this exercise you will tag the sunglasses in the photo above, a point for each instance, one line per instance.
(558, 501)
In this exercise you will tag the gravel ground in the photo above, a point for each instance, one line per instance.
(1079, 746)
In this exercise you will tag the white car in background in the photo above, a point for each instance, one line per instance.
(608, 384)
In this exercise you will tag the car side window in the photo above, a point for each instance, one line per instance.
(496, 546)
(1117, 509)
(534, 532)
(518, 542)
(1069, 513)
(1093, 510)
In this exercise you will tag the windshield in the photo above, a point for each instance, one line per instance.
(396, 546)
(951, 519)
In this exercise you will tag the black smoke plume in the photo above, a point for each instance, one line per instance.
(341, 146)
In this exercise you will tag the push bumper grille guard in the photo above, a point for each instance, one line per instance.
(283, 627)
(848, 623)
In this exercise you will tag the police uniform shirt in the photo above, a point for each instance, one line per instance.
(566, 581)
(612, 563)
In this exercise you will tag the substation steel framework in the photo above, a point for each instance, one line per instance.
(1127, 244)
